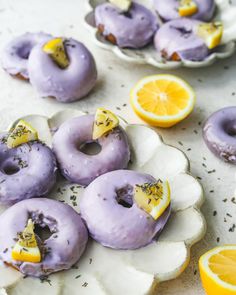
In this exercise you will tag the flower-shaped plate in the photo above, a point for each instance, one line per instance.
(113, 272)
(226, 13)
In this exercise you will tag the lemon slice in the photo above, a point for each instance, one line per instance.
(153, 198)
(211, 33)
(218, 270)
(162, 100)
(23, 132)
(187, 8)
(56, 50)
(26, 249)
(124, 5)
(105, 121)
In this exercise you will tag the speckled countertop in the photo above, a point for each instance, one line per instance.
(215, 87)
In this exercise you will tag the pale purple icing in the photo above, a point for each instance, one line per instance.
(65, 245)
(179, 36)
(133, 29)
(26, 171)
(219, 134)
(66, 85)
(168, 9)
(16, 53)
(79, 167)
(112, 224)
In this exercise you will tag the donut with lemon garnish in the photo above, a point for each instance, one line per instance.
(126, 23)
(24, 242)
(125, 209)
(88, 146)
(219, 134)
(27, 166)
(16, 53)
(196, 9)
(63, 69)
(187, 39)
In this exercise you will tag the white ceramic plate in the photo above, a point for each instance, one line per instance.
(226, 12)
(113, 272)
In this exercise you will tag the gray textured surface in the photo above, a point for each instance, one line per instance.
(215, 87)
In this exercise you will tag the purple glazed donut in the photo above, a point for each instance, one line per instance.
(115, 225)
(61, 250)
(66, 85)
(26, 171)
(219, 134)
(168, 9)
(82, 168)
(15, 55)
(132, 29)
(177, 40)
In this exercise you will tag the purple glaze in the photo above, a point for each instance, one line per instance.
(26, 171)
(66, 85)
(112, 224)
(133, 29)
(179, 37)
(168, 9)
(219, 134)
(65, 246)
(16, 53)
(79, 167)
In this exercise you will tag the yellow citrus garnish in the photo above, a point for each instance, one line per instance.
(124, 5)
(26, 249)
(23, 132)
(218, 270)
(162, 100)
(105, 121)
(211, 33)
(153, 198)
(56, 50)
(187, 8)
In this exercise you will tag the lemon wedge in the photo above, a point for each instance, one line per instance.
(153, 198)
(105, 121)
(23, 132)
(124, 5)
(162, 100)
(26, 249)
(56, 50)
(211, 33)
(187, 8)
(218, 270)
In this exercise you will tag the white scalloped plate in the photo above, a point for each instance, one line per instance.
(104, 271)
(225, 12)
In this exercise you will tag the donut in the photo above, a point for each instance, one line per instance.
(168, 9)
(26, 171)
(177, 40)
(16, 53)
(79, 167)
(115, 225)
(65, 84)
(65, 245)
(219, 134)
(132, 29)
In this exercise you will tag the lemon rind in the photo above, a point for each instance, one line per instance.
(157, 211)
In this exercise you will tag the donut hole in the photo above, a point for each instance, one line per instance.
(43, 232)
(124, 196)
(184, 32)
(127, 14)
(230, 128)
(24, 51)
(10, 168)
(90, 148)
